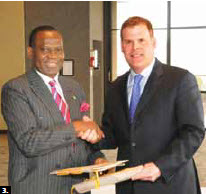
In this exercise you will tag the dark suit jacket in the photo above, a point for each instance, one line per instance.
(167, 129)
(39, 139)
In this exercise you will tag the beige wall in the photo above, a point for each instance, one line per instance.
(96, 21)
(12, 50)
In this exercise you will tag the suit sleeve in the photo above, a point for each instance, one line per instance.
(109, 142)
(190, 128)
(30, 139)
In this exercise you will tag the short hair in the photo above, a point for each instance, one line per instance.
(136, 20)
(34, 32)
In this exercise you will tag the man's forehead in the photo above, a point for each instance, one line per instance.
(48, 37)
(48, 33)
(140, 30)
(49, 41)
(139, 27)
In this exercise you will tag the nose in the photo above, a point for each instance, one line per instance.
(52, 54)
(136, 45)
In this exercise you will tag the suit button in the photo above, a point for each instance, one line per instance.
(133, 144)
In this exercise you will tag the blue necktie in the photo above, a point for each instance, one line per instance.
(135, 96)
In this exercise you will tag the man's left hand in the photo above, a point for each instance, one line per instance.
(101, 161)
(150, 172)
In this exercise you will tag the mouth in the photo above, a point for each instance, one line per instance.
(52, 62)
(137, 56)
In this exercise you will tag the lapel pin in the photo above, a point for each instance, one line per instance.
(74, 97)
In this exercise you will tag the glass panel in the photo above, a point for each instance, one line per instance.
(201, 81)
(156, 12)
(204, 105)
(188, 13)
(188, 50)
(161, 45)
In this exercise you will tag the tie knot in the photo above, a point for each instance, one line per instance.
(137, 78)
(52, 83)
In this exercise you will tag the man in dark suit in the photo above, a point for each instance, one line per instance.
(164, 129)
(47, 124)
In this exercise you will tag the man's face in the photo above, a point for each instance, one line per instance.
(138, 47)
(48, 53)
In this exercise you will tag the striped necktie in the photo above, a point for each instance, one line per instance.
(63, 107)
(135, 96)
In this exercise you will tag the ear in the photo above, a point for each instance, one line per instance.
(154, 42)
(30, 53)
(122, 48)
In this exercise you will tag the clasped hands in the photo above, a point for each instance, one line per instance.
(149, 172)
(88, 130)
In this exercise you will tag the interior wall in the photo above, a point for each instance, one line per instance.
(12, 43)
(96, 34)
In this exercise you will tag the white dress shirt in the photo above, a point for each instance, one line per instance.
(47, 79)
(130, 82)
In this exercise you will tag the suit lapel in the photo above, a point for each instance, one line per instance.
(38, 86)
(150, 88)
(70, 97)
(123, 95)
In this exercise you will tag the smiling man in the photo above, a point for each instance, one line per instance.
(138, 45)
(48, 127)
(154, 115)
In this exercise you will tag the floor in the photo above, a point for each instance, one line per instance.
(200, 158)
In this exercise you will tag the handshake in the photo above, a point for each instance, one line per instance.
(88, 130)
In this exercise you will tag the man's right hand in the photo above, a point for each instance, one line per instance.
(88, 130)
(149, 172)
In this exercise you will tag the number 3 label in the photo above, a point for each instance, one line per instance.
(5, 189)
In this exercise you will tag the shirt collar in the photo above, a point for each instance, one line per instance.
(46, 78)
(145, 73)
